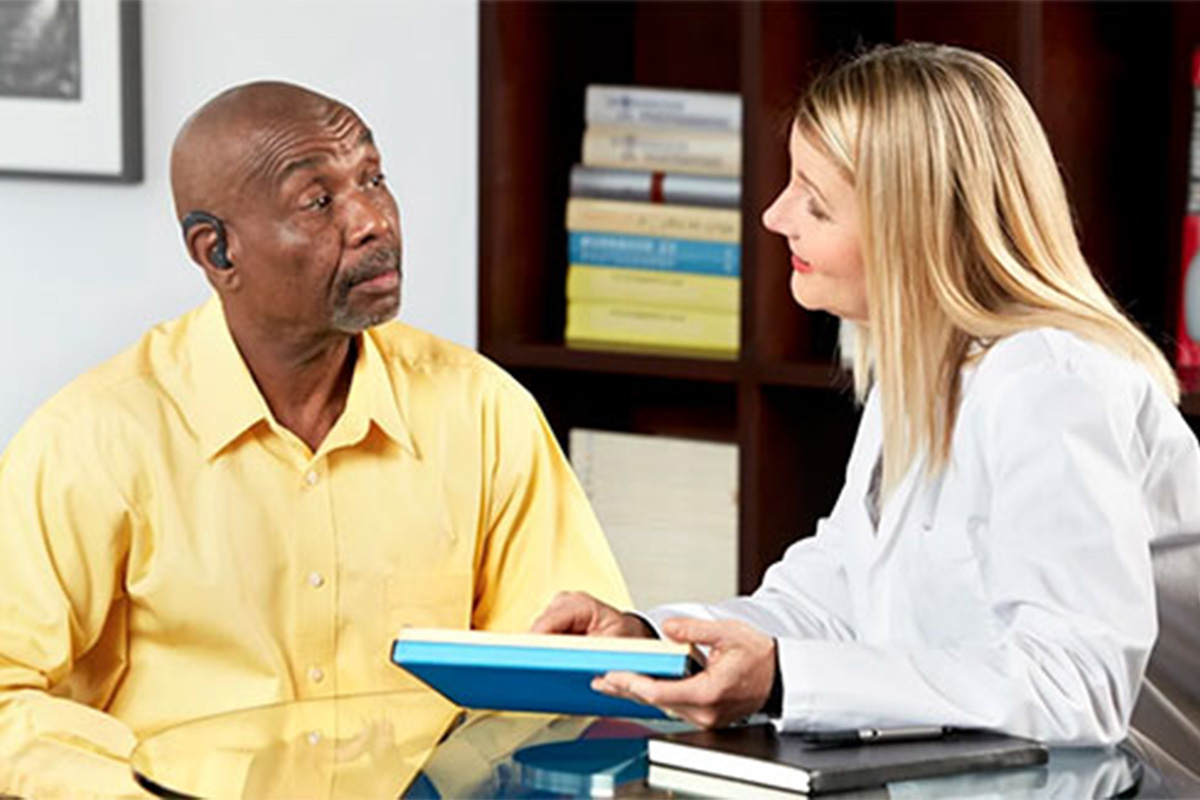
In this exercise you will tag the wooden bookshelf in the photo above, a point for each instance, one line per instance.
(1109, 79)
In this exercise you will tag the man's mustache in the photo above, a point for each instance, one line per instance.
(376, 263)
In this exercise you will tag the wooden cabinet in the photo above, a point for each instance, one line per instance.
(1109, 79)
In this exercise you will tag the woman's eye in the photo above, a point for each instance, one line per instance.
(378, 180)
(816, 211)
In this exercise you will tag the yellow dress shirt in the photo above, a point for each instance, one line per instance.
(168, 550)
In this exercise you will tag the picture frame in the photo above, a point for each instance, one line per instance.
(71, 90)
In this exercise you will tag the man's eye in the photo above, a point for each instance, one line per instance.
(378, 180)
(319, 203)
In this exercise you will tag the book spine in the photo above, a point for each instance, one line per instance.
(650, 219)
(653, 252)
(656, 187)
(627, 323)
(1187, 350)
(689, 290)
(665, 149)
(637, 105)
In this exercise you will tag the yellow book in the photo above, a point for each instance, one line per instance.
(652, 326)
(654, 219)
(663, 149)
(652, 287)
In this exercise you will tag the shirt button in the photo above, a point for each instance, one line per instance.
(311, 477)
(316, 580)
(315, 674)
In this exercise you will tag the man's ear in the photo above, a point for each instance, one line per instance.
(208, 245)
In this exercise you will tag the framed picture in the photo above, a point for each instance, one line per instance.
(71, 89)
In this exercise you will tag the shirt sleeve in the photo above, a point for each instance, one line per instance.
(64, 532)
(540, 535)
(1066, 571)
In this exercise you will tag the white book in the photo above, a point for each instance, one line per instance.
(669, 509)
(672, 108)
(697, 784)
(700, 152)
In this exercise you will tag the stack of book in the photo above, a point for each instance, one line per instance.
(654, 222)
(669, 508)
(756, 761)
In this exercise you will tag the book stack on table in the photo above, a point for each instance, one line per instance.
(654, 222)
(756, 761)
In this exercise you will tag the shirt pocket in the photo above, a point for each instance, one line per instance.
(950, 602)
(429, 598)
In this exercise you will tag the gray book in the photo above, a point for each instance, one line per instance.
(656, 187)
(757, 754)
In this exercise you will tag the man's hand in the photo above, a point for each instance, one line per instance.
(734, 685)
(580, 613)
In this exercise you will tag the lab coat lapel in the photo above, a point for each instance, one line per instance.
(900, 507)
(913, 488)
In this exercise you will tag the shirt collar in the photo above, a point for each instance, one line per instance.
(229, 402)
(372, 399)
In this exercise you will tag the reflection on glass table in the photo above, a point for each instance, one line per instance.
(416, 744)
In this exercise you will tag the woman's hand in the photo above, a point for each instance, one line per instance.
(734, 685)
(580, 613)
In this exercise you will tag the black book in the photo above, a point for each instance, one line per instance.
(757, 754)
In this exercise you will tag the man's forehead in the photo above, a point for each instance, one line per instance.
(308, 159)
(281, 147)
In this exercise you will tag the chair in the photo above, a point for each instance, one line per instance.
(1166, 719)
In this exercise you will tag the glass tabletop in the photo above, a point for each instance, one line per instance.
(417, 744)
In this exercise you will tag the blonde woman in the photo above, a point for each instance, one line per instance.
(987, 564)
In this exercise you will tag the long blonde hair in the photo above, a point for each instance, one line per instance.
(966, 233)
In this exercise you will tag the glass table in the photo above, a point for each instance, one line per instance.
(416, 744)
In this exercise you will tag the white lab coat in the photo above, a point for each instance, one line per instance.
(1014, 591)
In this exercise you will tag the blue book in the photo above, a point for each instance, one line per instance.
(653, 252)
(539, 673)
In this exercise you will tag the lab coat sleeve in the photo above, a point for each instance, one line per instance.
(1065, 569)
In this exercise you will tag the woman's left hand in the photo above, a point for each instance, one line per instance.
(734, 685)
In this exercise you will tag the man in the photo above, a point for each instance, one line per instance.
(244, 507)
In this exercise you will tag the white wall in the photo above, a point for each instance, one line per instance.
(85, 269)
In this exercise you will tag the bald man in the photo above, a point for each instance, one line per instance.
(244, 507)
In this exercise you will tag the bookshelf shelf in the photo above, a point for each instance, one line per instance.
(1109, 79)
(814, 375)
(560, 357)
(822, 375)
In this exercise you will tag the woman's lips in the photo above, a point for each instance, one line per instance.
(800, 266)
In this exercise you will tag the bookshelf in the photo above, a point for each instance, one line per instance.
(1109, 79)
